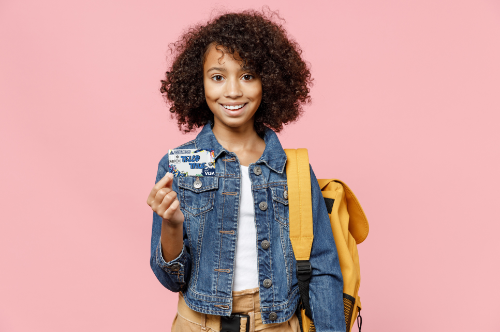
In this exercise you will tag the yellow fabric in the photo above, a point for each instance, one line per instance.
(347, 218)
(307, 324)
(299, 202)
(358, 223)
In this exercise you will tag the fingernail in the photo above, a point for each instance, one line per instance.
(170, 175)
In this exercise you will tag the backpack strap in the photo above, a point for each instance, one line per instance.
(300, 218)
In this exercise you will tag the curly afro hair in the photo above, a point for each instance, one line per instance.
(264, 47)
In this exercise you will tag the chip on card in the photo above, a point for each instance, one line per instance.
(191, 162)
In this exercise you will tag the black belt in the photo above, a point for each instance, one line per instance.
(233, 323)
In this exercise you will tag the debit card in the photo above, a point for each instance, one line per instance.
(191, 162)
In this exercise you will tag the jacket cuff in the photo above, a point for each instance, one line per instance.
(175, 266)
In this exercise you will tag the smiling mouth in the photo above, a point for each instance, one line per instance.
(235, 107)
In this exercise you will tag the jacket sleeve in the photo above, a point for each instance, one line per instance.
(174, 275)
(326, 283)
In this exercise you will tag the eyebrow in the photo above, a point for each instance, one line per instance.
(224, 69)
(216, 69)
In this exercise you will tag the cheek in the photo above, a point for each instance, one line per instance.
(210, 92)
(254, 91)
(211, 96)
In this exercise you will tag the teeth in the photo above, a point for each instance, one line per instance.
(233, 107)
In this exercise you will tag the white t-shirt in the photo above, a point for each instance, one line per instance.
(245, 266)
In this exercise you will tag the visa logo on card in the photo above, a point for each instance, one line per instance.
(191, 162)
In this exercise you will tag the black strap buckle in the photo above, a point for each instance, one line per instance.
(304, 270)
(304, 273)
(232, 323)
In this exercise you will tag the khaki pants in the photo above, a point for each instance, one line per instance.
(244, 302)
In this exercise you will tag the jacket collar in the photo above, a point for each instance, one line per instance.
(274, 156)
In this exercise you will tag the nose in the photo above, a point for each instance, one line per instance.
(233, 89)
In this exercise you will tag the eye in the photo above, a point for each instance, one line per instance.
(247, 77)
(217, 78)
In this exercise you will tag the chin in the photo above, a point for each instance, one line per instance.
(234, 123)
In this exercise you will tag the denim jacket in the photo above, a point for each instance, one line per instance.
(203, 271)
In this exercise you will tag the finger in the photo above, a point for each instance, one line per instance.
(158, 199)
(171, 210)
(167, 200)
(165, 182)
(168, 180)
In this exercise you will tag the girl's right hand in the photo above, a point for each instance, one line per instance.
(163, 200)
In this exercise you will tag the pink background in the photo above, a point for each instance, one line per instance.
(408, 91)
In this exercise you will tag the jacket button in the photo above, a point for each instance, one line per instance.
(257, 170)
(285, 194)
(175, 267)
(197, 184)
(263, 206)
(265, 244)
(267, 283)
(273, 316)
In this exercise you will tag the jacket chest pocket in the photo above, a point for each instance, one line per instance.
(197, 194)
(280, 204)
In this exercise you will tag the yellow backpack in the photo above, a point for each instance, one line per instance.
(349, 227)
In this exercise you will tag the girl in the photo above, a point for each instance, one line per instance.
(223, 241)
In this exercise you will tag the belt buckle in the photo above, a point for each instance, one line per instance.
(232, 323)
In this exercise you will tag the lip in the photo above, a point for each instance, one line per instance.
(234, 103)
(233, 113)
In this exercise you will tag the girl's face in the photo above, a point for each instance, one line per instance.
(233, 93)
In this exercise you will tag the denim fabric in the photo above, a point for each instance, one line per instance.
(204, 269)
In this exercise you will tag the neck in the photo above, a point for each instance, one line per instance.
(235, 139)
(243, 141)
